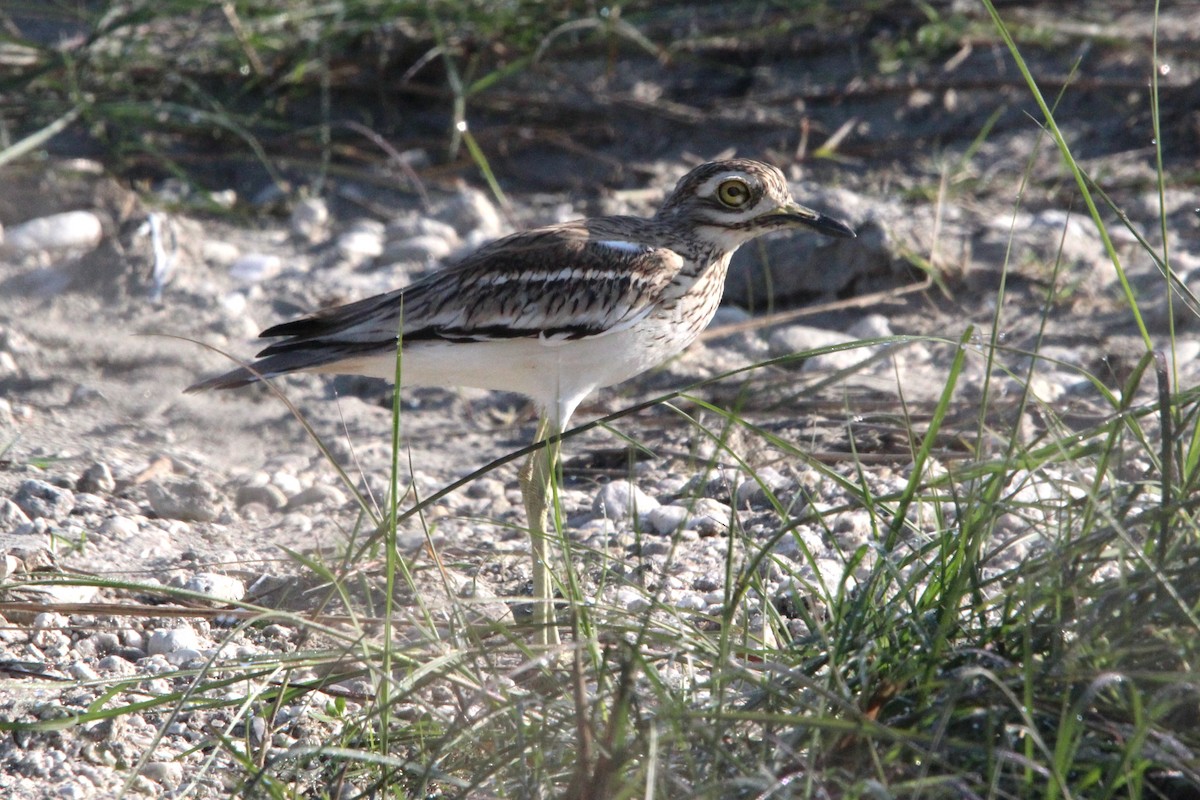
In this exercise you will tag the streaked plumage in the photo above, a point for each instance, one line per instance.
(554, 314)
(557, 312)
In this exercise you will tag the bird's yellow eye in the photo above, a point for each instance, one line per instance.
(733, 193)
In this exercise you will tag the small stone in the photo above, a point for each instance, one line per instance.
(217, 586)
(620, 500)
(184, 656)
(168, 774)
(750, 491)
(310, 219)
(632, 600)
(363, 241)
(48, 620)
(801, 338)
(218, 253)
(318, 493)
(418, 250)
(255, 267)
(82, 672)
(97, 478)
(11, 516)
(472, 215)
(190, 500)
(710, 517)
(119, 527)
(115, 665)
(267, 495)
(8, 366)
(40, 499)
(286, 482)
(70, 230)
(414, 225)
(665, 520)
(169, 640)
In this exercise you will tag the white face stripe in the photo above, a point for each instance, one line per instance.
(709, 187)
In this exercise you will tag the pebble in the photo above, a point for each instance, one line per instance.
(186, 499)
(632, 600)
(82, 672)
(217, 586)
(750, 491)
(119, 527)
(40, 499)
(619, 500)
(362, 241)
(266, 495)
(183, 656)
(169, 640)
(310, 219)
(168, 774)
(794, 339)
(318, 493)
(418, 250)
(665, 520)
(255, 267)
(286, 482)
(473, 215)
(97, 478)
(11, 516)
(710, 517)
(218, 253)
(8, 366)
(70, 230)
(412, 226)
(115, 665)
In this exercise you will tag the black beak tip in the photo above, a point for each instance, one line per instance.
(836, 228)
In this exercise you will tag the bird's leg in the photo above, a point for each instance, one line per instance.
(537, 492)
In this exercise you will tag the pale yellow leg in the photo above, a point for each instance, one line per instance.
(537, 491)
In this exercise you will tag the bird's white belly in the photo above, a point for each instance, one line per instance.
(553, 373)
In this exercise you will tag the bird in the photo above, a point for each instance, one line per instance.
(553, 313)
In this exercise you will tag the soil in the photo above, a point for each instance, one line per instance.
(941, 165)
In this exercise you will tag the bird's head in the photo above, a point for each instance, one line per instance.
(731, 202)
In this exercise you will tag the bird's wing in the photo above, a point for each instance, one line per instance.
(559, 283)
(556, 284)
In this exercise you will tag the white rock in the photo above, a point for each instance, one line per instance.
(620, 500)
(11, 516)
(473, 215)
(184, 656)
(218, 253)
(631, 600)
(665, 520)
(70, 230)
(217, 586)
(360, 245)
(168, 774)
(710, 516)
(234, 303)
(310, 218)
(286, 482)
(119, 527)
(168, 640)
(255, 267)
(419, 249)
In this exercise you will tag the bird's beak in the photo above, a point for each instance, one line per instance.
(798, 215)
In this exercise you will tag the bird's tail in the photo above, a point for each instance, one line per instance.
(301, 355)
